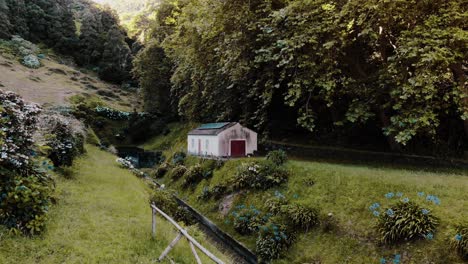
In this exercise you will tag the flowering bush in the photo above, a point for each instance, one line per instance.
(301, 216)
(272, 241)
(247, 220)
(460, 241)
(125, 163)
(405, 220)
(18, 120)
(64, 137)
(259, 175)
(112, 114)
(25, 189)
(278, 157)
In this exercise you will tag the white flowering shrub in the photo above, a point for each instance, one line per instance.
(31, 61)
(25, 188)
(63, 135)
(259, 175)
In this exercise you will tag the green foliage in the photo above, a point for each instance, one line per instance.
(177, 172)
(165, 201)
(25, 202)
(272, 242)
(407, 221)
(178, 158)
(460, 241)
(193, 175)
(275, 204)
(301, 216)
(92, 138)
(258, 175)
(161, 170)
(247, 221)
(278, 157)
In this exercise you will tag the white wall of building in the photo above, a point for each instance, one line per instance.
(209, 145)
(237, 132)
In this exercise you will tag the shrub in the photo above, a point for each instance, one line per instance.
(301, 216)
(177, 172)
(216, 192)
(278, 157)
(259, 175)
(64, 136)
(25, 202)
(247, 220)
(161, 170)
(272, 241)
(404, 221)
(165, 201)
(193, 175)
(25, 189)
(179, 158)
(275, 204)
(460, 241)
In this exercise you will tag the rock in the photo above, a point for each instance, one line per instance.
(31, 61)
(58, 71)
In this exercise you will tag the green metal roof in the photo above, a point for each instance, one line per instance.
(213, 125)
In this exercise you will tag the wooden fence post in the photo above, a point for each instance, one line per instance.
(173, 243)
(153, 229)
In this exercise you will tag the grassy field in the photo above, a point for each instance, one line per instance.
(102, 216)
(347, 191)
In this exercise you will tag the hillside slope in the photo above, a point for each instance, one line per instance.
(102, 216)
(54, 83)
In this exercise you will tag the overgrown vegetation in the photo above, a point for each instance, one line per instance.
(349, 71)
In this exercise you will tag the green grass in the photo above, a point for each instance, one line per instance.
(346, 191)
(175, 140)
(102, 216)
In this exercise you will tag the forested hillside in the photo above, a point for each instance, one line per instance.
(78, 28)
(391, 74)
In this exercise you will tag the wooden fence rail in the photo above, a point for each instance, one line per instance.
(182, 233)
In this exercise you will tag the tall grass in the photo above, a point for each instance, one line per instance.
(102, 216)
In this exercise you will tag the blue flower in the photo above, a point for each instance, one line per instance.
(406, 200)
(295, 196)
(420, 194)
(425, 211)
(390, 212)
(434, 199)
(458, 237)
(398, 256)
(429, 236)
(374, 206)
(389, 195)
(383, 261)
(376, 213)
(399, 194)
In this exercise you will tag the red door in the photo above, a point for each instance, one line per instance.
(238, 148)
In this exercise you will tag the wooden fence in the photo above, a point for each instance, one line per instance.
(182, 233)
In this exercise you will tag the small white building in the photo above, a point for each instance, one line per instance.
(222, 140)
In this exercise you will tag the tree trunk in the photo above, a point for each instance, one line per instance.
(460, 78)
(385, 120)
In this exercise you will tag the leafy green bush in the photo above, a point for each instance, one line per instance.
(165, 201)
(216, 192)
(177, 172)
(193, 175)
(25, 202)
(460, 241)
(259, 175)
(274, 204)
(179, 158)
(161, 170)
(65, 138)
(247, 220)
(278, 157)
(301, 216)
(273, 240)
(404, 221)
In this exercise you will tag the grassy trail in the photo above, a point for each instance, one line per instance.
(102, 216)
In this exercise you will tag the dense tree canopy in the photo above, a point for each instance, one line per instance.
(398, 65)
(80, 28)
